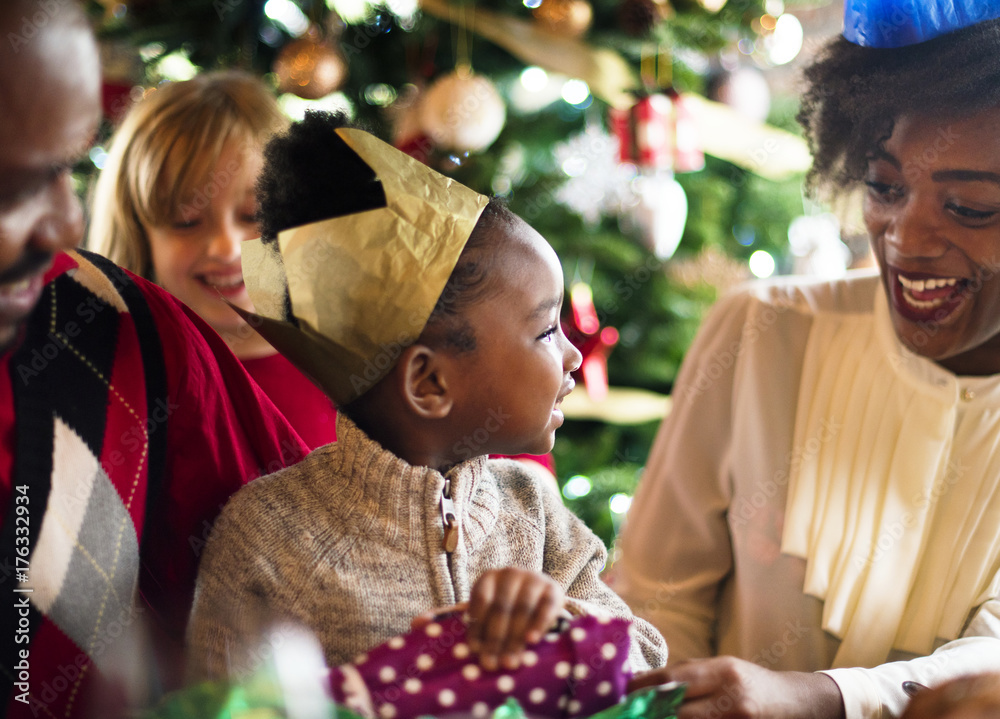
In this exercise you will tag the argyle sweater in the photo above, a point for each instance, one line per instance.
(125, 424)
(348, 543)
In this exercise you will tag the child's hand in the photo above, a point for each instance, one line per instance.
(507, 609)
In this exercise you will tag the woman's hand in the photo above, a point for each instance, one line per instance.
(509, 608)
(723, 687)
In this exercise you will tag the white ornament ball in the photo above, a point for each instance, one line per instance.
(746, 91)
(462, 112)
(661, 213)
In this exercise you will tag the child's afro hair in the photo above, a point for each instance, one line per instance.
(310, 174)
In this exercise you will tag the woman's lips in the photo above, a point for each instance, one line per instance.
(927, 298)
(228, 285)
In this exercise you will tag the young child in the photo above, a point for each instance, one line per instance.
(174, 204)
(431, 316)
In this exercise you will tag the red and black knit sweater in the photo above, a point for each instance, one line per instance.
(125, 424)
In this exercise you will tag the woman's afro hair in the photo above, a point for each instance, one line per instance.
(855, 94)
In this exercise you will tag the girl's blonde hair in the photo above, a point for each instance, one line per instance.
(164, 152)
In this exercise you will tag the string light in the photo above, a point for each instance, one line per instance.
(576, 487)
(575, 91)
(288, 15)
(534, 79)
(619, 503)
(762, 264)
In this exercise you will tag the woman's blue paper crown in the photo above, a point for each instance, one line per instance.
(895, 23)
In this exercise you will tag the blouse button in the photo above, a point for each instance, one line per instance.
(967, 394)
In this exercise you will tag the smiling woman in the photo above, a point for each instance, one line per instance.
(833, 446)
(932, 209)
(174, 204)
(175, 200)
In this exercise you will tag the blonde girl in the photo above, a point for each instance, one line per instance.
(174, 203)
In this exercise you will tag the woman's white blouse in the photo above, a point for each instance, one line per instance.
(820, 497)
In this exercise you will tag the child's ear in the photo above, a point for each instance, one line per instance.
(423, 382)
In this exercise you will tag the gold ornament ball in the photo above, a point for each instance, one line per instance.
(462, 111)
(309, 68)
(565, 17)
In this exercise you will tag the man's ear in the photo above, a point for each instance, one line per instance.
(423, 382)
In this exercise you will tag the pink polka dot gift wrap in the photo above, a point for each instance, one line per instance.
(575, 672)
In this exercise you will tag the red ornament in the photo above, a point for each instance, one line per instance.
(418, 146)
(688, 155)
(583, 328)
(659, 133)
(595, 362)
(116, 99)
(645, 132)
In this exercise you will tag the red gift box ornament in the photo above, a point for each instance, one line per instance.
(574, 672)
(646, 132)
(688, 153)
(659, 132)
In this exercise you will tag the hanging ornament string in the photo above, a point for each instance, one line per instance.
(647, 69)
(462, 111)
(656, 68)
(664, 67)
(462, 37)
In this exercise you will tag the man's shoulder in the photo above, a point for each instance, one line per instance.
(95, 273)
(180, 335)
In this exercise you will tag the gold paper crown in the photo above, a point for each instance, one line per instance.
(362, 286)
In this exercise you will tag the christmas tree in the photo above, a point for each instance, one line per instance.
(579, 112)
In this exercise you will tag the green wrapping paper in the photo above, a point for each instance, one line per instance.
(261, 699)
(653, 703)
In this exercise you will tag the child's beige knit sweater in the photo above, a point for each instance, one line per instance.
(349, 544)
